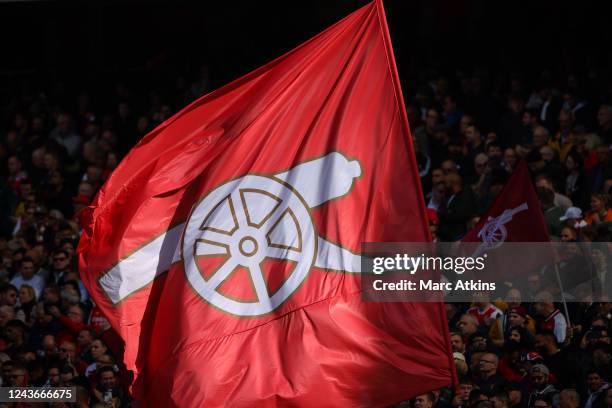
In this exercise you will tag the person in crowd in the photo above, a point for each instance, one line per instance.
(541, 388)
(552, 213)
(550, 318)
(597, 388)
(569, 398)
(600, 210)
(457, 342)
(560, 362)
(467, 325)
(488, 379)
(109, 392)
(560, 200)
(27, 276)
(455, 209)
(575, 178)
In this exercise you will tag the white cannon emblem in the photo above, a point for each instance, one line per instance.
(246, 221)
(494, 232)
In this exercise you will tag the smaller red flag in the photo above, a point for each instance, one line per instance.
(515, 216)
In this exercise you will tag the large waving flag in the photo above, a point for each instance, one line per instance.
(224, 248)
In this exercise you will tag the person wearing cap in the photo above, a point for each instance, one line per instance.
(517, 317)
(539, 379)
(572, 216)
(460, 364)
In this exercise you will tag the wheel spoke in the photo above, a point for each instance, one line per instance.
(239, 210)
(215, 237)
(221, 274)
(283, 254)
(274, 217)
(259, 283)
(208, 248)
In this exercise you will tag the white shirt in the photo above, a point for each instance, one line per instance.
(36, 282)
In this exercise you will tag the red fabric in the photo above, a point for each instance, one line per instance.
(71, 325)
(337, 92)
(525, 225)
(508, 372)
(482, 317)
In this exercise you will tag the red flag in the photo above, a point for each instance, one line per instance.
(514, 216)
(224, 248)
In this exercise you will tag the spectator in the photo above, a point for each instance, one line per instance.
(425, 133)
(608, 400)
(551, 318)
(596, 389)
(457, 342)
(28, 277)
(462, 398)
(488, 379)
(500, 399)
(552, 213)
(15, 333)
(109, 391)
(456, 209)
(542, 390)
(600, 210)
(53, 377)
(18, 376)
(559, 200)
(27, 301)
(569, 398)
(604, 120)
(64, 135)
(557, 360)
(575, 187)
(484, 311)
(467, 325)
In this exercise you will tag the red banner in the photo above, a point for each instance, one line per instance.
(224, 248)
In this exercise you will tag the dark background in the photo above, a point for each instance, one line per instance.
(72, 46)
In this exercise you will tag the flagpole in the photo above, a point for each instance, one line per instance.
(565, 309)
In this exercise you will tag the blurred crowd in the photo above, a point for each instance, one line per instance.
(54, 157)
(57, 147)
(521, 350)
